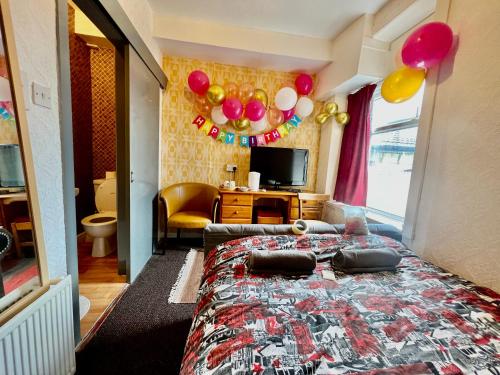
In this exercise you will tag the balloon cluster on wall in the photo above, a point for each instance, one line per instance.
(330, 109)
(245, 107)
(426, 47)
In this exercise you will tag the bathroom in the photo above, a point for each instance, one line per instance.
(92, 60)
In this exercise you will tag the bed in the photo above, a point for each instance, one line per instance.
(419, 320)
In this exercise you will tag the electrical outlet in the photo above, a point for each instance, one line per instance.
(231, 167)
(41, 95)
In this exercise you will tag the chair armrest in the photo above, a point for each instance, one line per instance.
(215, 206)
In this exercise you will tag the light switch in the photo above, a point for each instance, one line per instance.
(41, 95)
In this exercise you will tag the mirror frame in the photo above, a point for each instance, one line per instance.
(27, 158)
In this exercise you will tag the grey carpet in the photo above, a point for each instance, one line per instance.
(144, 334)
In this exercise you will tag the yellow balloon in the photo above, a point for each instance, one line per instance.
(342, 118)
(241, 124)
(261, 96)
(331, 108)
(215, 94)
(322, 118)
(402, 84)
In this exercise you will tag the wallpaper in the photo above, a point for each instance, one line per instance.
(187, 154)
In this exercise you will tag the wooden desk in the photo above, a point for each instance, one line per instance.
(237, 206)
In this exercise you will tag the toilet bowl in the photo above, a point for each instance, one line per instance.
(102, 225)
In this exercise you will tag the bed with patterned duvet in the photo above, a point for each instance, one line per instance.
(418, 320)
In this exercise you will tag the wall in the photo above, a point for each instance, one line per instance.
(189, 155)
(34, 23)
(457, 225)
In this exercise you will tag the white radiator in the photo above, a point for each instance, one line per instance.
(39, 340)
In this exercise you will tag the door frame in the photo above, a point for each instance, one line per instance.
(113, 22)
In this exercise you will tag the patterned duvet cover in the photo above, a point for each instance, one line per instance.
(419, 320)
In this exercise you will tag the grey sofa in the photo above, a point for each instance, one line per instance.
(215, 234)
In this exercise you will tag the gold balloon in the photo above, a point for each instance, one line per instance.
(231, 90)
(245, 93)
(261, 96)
(215, 94)
(331, 108)
(241, 124)
(322, 118)
(342, 118)
(202, 105)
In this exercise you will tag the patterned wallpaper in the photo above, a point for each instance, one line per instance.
(102, 63)
(189, 155)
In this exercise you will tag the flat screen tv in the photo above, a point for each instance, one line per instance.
(280, 166)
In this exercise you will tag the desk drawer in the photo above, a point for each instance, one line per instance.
(237, 199)
(294, 213)
(236, 212)
(236, 221)
(311, 203)
(311, 214)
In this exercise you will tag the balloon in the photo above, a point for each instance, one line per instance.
(255, 110)
(402, 84)
(261, 96)
(322, 118)
(331, 108)
(304, 84)
(231, 90)
(198, 82)
(258, 126)
(304, 107)
(215, 94)
(232, 108)
(275, 116)
(241, 124)
(218, 116)
(202, 105)
(287, 115)
(245, 93)
(285, 98)
(342, 118)
(428, 45)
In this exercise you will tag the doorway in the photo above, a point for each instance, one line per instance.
(138, 80)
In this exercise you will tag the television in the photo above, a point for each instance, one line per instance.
(280, 166)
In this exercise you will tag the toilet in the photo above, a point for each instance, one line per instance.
(102, 225)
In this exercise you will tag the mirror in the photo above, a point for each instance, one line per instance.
(20, 271)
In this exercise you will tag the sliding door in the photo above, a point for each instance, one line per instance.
(142, 117)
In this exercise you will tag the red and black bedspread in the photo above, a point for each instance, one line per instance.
(419, 320)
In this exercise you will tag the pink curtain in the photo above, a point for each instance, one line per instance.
(352, 177)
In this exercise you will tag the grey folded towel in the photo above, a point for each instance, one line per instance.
(366, 260)
(285, 262)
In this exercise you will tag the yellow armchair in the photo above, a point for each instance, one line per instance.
(189, 205)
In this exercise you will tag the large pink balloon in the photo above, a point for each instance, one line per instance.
(198, 82)
(428, 45)
(287, 115)
(232, 108)
(304, 84)
(255, 110)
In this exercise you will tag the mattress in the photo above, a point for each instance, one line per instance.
(417, 320)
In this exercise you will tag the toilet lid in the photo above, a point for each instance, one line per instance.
(105, 196)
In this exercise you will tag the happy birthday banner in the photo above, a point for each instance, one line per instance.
(208, 127)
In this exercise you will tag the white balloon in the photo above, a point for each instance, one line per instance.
(285, 98)
(304, 107)
(258, 126)
(218, 116)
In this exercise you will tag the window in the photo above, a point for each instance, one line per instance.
(392, 146)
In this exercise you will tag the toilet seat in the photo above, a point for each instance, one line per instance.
(100, 219)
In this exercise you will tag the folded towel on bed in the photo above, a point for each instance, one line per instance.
(366, 260)
(285, 262)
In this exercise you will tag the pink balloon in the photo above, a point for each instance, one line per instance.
(287, 115)
(198, 82)
(255, 110)
(232, 108)
(304, 84)
(428, 45)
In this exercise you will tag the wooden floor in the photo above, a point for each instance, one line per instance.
(99, 282)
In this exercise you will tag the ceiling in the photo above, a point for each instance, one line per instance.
(314, 18)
